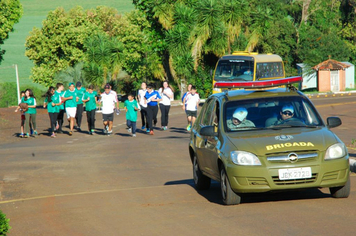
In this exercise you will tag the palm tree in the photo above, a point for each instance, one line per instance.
(209, 22)
(103, 58)
(72, 74)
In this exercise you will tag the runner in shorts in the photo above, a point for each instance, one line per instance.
(192, 102)
(70, 98)
(108, 100)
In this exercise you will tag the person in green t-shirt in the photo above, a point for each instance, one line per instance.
(80, 108)
(30, 114)
(52, 102)
(70, 97)
(59, 92)
(131, 108)
(90, 99)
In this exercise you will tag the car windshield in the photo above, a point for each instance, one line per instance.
(270, 113)
(234, 69)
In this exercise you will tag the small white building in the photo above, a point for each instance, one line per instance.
(310, 77)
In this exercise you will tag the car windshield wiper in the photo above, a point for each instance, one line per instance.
(292, 126)
(248, 127)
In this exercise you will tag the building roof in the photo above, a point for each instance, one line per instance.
(331, 65)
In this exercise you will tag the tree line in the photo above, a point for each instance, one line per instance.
(182, 40)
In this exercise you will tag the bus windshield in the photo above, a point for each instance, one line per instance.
(234, 69)
(245, 66)
(269, 70)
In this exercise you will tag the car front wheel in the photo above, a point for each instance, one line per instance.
(341, 192)
(201, 181)
(229, 197)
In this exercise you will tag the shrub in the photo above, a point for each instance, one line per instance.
(4, 224)
(8, 94)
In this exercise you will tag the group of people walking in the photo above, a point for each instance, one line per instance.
(72, 101)
(149, 100)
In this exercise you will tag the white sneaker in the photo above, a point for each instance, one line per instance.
(129, 130)
(134, 135)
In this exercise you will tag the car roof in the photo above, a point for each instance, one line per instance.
(242, 94)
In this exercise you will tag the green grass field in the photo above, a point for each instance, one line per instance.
(35, 11)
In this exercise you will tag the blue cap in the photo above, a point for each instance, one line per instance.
(288, 108)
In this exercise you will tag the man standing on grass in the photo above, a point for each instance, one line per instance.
(108, 100)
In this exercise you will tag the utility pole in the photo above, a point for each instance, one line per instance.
(17, 83)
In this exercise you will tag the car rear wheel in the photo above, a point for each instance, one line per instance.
(229, 197)
(341, 192)
(201, 181)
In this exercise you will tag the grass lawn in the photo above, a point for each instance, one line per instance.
(35, 11)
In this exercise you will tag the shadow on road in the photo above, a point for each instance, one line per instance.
(213, 195)
(123, 134)
(178, 130)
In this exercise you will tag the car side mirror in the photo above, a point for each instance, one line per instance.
(333, 122)
(208, 131)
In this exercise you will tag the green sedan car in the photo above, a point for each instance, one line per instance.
(270, 139)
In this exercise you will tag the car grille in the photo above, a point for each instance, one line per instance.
(283, 157)
(277, 181)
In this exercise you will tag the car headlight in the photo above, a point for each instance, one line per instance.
(244, 158)
(338, 150)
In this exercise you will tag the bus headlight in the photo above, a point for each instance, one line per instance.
(244, 158)
(335, 151)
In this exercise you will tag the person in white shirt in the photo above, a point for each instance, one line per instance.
(108, 100)
(192, 101)
(184, 107)
(141, 99)
(167, 95)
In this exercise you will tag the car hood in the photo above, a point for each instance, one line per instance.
(284, 140)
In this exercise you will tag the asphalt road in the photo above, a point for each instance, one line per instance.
(119, 185)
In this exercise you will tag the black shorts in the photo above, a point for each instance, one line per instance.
(191, 113)
(108, 117)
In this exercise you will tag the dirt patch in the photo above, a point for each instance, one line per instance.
(10, 123)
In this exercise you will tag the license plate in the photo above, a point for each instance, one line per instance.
(295, 173)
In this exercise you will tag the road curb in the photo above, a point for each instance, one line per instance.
(331, 94)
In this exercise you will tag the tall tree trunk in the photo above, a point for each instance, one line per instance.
(305, 12)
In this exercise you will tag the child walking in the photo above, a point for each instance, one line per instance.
(131, 108)
(22, 134)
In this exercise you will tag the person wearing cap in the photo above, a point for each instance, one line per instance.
(70, 98)
(239, 120)
(108, 100)
(80, 108)
(286, 113)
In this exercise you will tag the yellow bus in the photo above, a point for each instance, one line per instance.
(247, 66)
